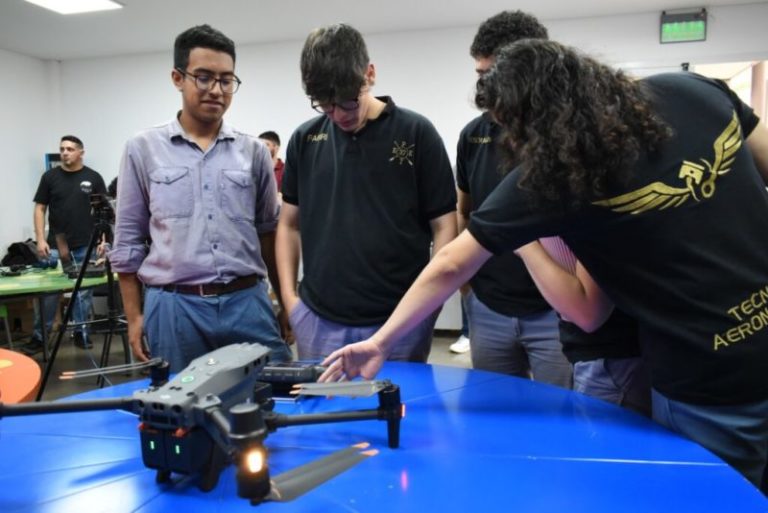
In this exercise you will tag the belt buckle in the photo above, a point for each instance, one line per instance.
(201, 291)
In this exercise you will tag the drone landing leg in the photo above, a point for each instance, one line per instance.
(162, 476)
(209, 476)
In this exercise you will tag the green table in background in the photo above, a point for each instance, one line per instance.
(36, 283)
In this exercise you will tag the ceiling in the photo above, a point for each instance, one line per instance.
(150, 25)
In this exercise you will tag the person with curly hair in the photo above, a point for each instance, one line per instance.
(658, 186)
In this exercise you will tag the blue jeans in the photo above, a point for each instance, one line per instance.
(49, 302)
(738, 434)
(518, 346)
(181, 327)
(464, 321)
(622, 381)
(316, 337)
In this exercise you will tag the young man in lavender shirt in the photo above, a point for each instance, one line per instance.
(196, 219)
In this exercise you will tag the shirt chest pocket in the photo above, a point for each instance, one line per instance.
(171, 192)
(238, 195)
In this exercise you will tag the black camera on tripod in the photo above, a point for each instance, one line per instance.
(101, 208)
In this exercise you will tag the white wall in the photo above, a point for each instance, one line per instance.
(106, 100)
(26, 90)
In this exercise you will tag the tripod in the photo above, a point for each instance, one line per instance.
(101, 230)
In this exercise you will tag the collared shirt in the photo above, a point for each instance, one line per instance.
(189, 216)
(365, 202)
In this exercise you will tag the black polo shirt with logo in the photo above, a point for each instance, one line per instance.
(502, 283)
(681, 248)
(365, 202)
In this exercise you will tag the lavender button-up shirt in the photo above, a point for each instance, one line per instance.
(201, 210)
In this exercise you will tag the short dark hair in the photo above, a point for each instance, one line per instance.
(200, 36)
(270, 136)
(72, 138)
(505, 28)
(333, 63)
(112, 188)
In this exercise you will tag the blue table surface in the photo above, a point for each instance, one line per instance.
(470, 441)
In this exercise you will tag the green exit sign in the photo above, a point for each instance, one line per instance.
(683, 27)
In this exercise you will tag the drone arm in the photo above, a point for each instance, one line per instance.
(277, 420)
(40, 408)
(390, 409)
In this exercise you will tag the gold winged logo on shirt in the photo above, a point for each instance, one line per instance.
(658, 195)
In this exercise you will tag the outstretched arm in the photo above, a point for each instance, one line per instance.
(452, 266)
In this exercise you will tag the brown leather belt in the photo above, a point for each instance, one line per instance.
(215, 289)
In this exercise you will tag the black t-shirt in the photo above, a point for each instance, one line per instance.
(681, 248)
(502, 283)
(616, 338)
(365, 202)
(67, 195)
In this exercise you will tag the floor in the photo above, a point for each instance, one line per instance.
(69, 358)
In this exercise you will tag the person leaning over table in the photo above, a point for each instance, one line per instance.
(658, 186)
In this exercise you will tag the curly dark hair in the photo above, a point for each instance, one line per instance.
(576, 126)
(333, 63)
(200, 36)
(505, 28)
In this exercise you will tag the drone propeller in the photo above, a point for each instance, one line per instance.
(296, 482)
(110, 370)
(342, 388)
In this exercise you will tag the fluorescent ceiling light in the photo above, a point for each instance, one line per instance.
(77, 6)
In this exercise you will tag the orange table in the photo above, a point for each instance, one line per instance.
(19, 377)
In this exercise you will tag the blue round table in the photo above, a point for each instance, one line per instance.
(470, 441)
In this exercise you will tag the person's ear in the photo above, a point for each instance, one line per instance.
(370, 75)
(177, 78)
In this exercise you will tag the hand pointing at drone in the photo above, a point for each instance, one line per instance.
(361, 359)
(450, 268)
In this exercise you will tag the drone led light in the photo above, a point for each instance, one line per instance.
(254, 460)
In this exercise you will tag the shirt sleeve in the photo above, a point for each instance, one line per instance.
(267, 206)
(507, 220)
(747, 117)
(43, 194)
(437, 188)
(290, 178)
(132, 219)
(462, 180)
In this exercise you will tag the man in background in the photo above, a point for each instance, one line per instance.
(272, 140)
(65, 194)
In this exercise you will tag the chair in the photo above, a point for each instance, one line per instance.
(6, 323)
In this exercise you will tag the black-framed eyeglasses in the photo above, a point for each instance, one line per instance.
(206, 82)
(327, 108)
